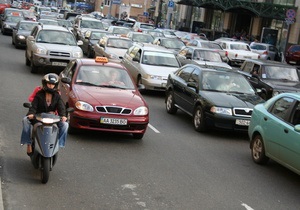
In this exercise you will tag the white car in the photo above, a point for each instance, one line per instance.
(238, 52)
(150, 65)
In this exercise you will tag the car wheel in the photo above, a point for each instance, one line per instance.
(27, 60)
(34, 68)
(199, 122)
(258, 150)
(139, 82)
(71, 130)
(12, 41)
(170, 103)
(138, 135)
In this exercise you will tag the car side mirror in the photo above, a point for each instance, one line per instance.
(66, 80)
(79, 42)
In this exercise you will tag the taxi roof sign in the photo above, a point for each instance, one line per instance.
(99, 59)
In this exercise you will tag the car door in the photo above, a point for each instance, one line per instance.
(65, 88)
(180, 87)
(131, 61)
(290, 146)
(277, 128)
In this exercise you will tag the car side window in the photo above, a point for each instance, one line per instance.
(195, 76)
(281, 108)
(248, 67)
(295, 119)
(68, 70)
(185, 73)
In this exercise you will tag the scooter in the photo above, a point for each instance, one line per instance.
(45, 144)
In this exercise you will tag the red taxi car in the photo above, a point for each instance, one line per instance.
(104, 97)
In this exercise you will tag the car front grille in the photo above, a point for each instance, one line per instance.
(242, 112)
(59, 54)
(113, 110)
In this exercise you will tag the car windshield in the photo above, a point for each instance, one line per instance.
(13, 19)
(27, 26)
(160, 59)
(104, 76)
(65, 23)
(278, 72)
(225, 82)
(172, 43)
(119, 43)
(258, 47)
(97, 35)
(91, 24)
(146, 26)
(49, 22)
(239, 47)
(203, 55)
(144, 38)
(56, 37)
(121, 30)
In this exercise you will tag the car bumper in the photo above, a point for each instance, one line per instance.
(91, 121)
(228, 122)
(20, 42)
(50, 61)
(7, 30)
(151, 84)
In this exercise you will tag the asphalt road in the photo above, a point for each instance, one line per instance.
(173, 167)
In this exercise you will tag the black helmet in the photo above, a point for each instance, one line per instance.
(51, 79)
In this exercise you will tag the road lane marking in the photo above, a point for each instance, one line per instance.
(247, 207)
(154, 129)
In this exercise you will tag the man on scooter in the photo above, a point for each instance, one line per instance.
(48, 100)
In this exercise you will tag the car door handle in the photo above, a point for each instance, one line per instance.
(286, 130)
(265, 119)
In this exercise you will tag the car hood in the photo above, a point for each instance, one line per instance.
(283, 84)
(117, 51)
(99, 96)
(66, 48)
(158, 70)
(232, 99)
(23, 32)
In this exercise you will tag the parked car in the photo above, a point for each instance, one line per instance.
(202, 56)
(266, 51)
(292, 55)
(215, 99)
(51, 46)
(271, 77)
(150, 65)
(274, 131)
(112, 47)
(21, 31)
(100, 103)
(237, 52)
(91, 37)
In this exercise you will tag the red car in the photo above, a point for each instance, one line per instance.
(104, 97)
(4, 4)
(292, 55)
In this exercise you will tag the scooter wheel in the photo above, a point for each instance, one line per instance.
(45, 170)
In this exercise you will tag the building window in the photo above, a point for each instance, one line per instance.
(107, 2)
(285, 2)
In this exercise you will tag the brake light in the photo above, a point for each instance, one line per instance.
(265, 53)
(139, 30)
(226, 53)
(236, 55)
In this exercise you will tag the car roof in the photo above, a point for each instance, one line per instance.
(52, 27)
(210, 69)
(91, 62)
(268, 62)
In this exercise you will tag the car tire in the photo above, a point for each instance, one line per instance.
(71, 130)
(12, 41)
(27, 61)
(138, 135)
(170, 103)
(139, 82)
(198, 119)
(34, 68)
(258, 150)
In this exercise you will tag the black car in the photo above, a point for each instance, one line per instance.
(91, 37)
(214, 98)
(271, 77)
(21, 31)
(8, 23)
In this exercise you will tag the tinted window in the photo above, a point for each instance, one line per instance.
(281, 108)
(185, 73)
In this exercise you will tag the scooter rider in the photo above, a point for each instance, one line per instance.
(47, 100)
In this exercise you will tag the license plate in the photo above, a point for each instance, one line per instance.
(247, 56)
(293, 62)
(59, 64)
(113, 121)
(242, 122)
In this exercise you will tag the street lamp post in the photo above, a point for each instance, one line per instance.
(109, 9)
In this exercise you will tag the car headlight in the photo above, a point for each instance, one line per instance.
(21, 37)
(84, 106)
(41, 51)
(77, 55)
(6, 26)
(221, 110)
(154, 77)
(141, 111)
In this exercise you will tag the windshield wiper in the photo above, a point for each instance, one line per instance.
(112, 86)
(58, 43)
(86, 83)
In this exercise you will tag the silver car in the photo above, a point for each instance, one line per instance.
(51, 46)
(266, 51)
(150, 65)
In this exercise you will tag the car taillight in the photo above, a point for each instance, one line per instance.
(236, 55)
(258, 56)
(265, 53)
(226, 53)
(139, 30)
